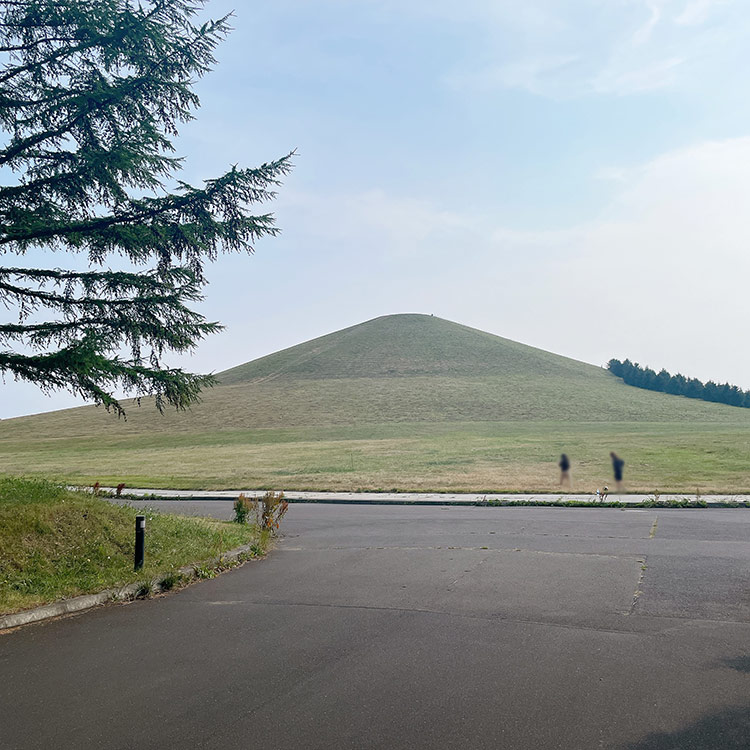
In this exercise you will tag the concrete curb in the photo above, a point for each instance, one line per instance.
(508, 501)
(124, 593)
(435, 498)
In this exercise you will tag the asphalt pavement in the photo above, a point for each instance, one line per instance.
(414, 627)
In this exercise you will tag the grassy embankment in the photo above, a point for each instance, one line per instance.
(55, 544)
(406, 402)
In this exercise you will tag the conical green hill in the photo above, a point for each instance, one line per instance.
(405, 346)
(407, 369)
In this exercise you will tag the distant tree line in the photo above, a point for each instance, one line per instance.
(678, 385)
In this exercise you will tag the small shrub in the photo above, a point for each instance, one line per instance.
(269, 510)
(242, 507)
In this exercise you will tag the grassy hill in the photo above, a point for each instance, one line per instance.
(403, 346)
(403, 401)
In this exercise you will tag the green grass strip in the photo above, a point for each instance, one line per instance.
(57, 544)
(683, 503)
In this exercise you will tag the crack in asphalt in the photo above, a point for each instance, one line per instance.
(638, 591)
(337, 548)
(444, 613)
(652, 533)
(680, 620)
(471, 570)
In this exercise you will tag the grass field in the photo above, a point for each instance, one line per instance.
(406, 402)
(56, 544)
(496, 456)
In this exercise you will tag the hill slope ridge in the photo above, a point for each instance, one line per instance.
(405, 345)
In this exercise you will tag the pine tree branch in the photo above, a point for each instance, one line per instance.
(191, 203)
(79, 369)
(90, 95)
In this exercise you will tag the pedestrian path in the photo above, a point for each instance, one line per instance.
(424, 498)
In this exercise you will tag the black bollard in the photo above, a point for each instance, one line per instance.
(140, 539)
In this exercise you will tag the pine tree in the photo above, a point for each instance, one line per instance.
(678, 385)
(91, 94)
(663, 381)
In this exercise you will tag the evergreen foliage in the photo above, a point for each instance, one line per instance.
(678, 385)
(91, 94)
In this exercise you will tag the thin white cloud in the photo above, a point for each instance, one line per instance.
(533, 74)
(643, 34)
(393, 229)
(697, 12)
(585, 47)
(620, 80)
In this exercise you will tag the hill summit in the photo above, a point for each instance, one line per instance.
(406, 345)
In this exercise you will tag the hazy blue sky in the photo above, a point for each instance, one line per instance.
(572, 174)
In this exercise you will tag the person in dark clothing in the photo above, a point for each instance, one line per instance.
(564, 465)
(617, 466)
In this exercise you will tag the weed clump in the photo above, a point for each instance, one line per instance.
(169, 581)
(143, 591)
(242, 507)
(267, 511)
(272, 508)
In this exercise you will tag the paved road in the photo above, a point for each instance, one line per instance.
(415, 627)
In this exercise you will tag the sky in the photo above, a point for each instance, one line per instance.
(571, 174)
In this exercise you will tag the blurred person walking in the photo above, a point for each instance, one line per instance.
(564, 465)
(617, 466)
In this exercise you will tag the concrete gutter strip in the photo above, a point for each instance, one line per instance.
(415, 498)
(124, 593)
(66, 606)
